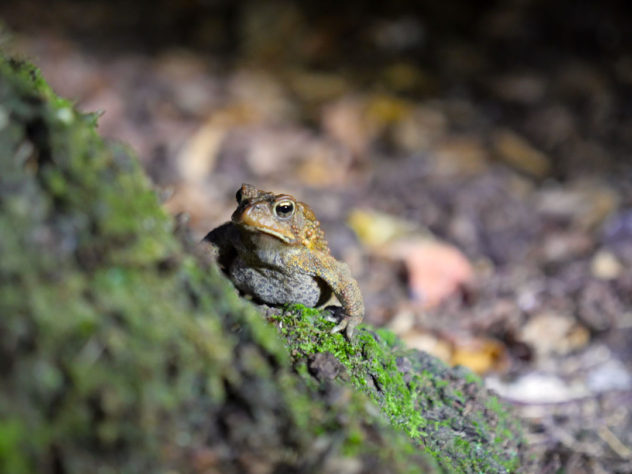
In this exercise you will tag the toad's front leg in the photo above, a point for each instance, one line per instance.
(348, 293)
(338, 277)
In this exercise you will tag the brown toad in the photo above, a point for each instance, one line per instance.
(274, 250)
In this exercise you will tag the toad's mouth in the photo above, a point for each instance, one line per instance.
(267, 231)
(253, 220)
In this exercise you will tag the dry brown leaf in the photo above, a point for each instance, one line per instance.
(517, 152)
(317, 87)
(375, 228)
(273, 152)
(405, 76)
(436, 270)
(382, 110)
(565, 246)
(419, 130)
(344, 121)
(264, 93)
(481, 355)
(428, 342)
(195, 201)
(462, 156)
(323, 165)
(586, 202)
(197, 158)
(550, 333)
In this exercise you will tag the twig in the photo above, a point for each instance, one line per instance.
(615, 443)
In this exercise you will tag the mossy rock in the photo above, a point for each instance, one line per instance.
(447, 411)
(123, 351)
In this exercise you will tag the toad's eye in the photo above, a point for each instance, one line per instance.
(284, 209)
(238, 196)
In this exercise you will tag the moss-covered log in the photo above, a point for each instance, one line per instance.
(122, 351)
(447, 411)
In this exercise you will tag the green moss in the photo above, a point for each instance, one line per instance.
(120, 351)
(435, 406)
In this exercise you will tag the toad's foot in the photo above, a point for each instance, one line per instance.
(346, 322)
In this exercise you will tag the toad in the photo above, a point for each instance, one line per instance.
(274, 250)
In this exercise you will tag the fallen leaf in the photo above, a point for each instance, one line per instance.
(517, 152)
(428, 342)
(383, 110)
(481, 355)
(374, 228)
(537, 388)
(462, 156)
(407, 77)
(265, 95)
(317, 87)
(436, 270)
(273, 151)
(197, 158)
(564, 246)
(343, 120)
(420, 129)
(550, 333)
(195, 201)
(323, 164)
(586, 203)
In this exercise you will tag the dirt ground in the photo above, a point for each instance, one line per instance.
(470, 163)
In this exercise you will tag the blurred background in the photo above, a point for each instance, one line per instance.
(471, 161)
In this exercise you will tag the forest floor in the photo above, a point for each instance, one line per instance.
(473, 168)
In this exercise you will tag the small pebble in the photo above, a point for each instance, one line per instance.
(605, 266)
